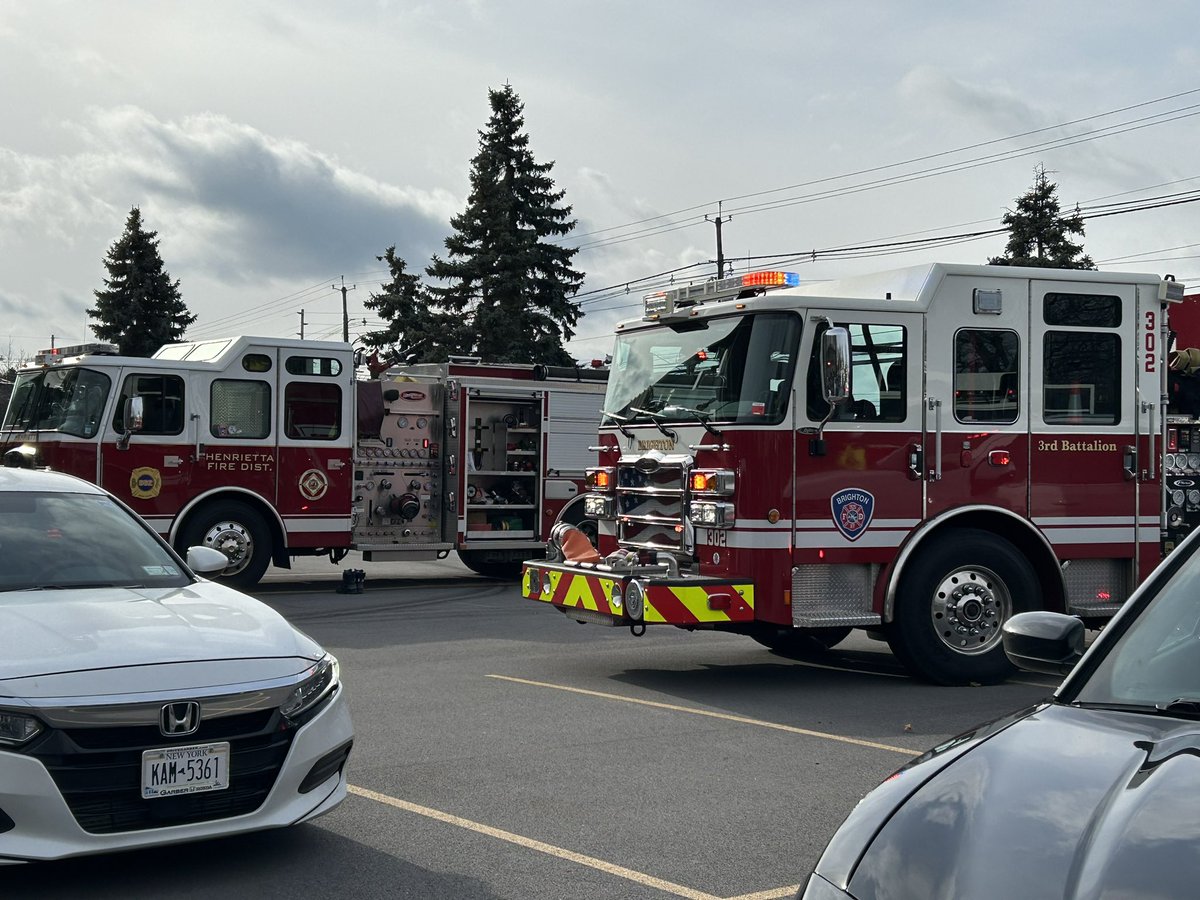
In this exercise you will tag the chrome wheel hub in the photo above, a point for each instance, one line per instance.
(232, 539)
(969, 606)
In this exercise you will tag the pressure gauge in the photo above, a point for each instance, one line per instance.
(1169, 461)
(1193, 497)
(402, 422)
(1193, 461)
(1177, 497)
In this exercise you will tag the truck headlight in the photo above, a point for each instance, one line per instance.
(711, 515)
(597, 506)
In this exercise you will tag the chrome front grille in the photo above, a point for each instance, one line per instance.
(650, 502)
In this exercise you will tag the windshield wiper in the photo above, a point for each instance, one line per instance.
(656, 419)
(698, 414)
(619, 422)
(1181, 706)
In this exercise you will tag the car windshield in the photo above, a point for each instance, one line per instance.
(55, 540)
(70, 400)
(730, 369)
(1156, 661)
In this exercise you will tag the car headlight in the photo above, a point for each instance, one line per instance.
(17, 729)
(323, 678)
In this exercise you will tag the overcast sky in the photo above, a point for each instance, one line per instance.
(278, 147)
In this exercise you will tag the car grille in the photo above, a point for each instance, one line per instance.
(650, 507)
(99, 771)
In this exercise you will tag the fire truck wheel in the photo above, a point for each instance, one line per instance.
(801, 643)
(951, 605)
(237, 531)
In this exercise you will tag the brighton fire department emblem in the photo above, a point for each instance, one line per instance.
(313, 484)
(852, 511)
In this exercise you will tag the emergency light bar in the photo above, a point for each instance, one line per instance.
(58, 354)
(665, 303)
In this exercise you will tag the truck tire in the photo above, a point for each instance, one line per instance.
(801, 643)
(951, 604)
(489, 564)
(236, 530)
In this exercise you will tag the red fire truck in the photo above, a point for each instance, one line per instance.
(919, 453)
(268, 449)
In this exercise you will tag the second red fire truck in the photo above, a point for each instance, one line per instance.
(919, 453)
(268, 449)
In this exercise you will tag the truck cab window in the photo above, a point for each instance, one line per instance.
(878, 391)
(240, 409)
(162, 396)
(987, 366)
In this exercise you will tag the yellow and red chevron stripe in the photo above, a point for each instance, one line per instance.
(666, 602)
(676, 604)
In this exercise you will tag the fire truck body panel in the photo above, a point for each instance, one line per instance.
(1001, 449)
(256, 446)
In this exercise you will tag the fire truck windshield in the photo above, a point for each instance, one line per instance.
(68, 400)
(733, 369)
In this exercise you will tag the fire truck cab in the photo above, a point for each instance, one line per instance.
(920, 453)
(270, 448)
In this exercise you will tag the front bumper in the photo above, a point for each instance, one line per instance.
(685, 600)
(44, 827)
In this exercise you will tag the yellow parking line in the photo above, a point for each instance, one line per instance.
(791, 729)
(549, 849)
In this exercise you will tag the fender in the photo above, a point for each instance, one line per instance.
(257, 499)
(914, 542)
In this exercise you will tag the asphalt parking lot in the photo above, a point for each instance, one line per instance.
(503, 750)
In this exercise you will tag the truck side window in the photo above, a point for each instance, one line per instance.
(312, 411)
(878, 388)
(987, 375)
(163, 399)
(240, 409)
(1082, 379)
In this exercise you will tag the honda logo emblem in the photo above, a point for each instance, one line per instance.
(178, 719)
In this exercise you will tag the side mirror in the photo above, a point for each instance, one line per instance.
(1045, 642)
(206, 560)
(133, 418)
(835, 364)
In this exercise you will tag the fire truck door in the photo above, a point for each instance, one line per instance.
(860, 495)
(976, 403)
(315, 426)
(154, 471)
(1084, 422)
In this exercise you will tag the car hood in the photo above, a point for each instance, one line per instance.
(53, 642)
(1063, 803)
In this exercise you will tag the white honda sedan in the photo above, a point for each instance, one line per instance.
(139, 703)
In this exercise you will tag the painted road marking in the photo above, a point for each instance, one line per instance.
(743, 720)
(592, 862)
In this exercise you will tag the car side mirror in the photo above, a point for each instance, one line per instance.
(206, 560)
(1047, 642)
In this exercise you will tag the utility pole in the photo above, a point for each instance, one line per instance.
(301, 324)
(345, 314)
(720, 249)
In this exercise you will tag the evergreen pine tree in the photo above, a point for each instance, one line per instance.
(1038, 235)
(502, 278)
(413, 324)
(140, 308)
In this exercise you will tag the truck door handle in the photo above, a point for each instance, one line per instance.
(916, 461)
(1129, 462)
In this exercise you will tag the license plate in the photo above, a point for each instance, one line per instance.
(185, 770)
